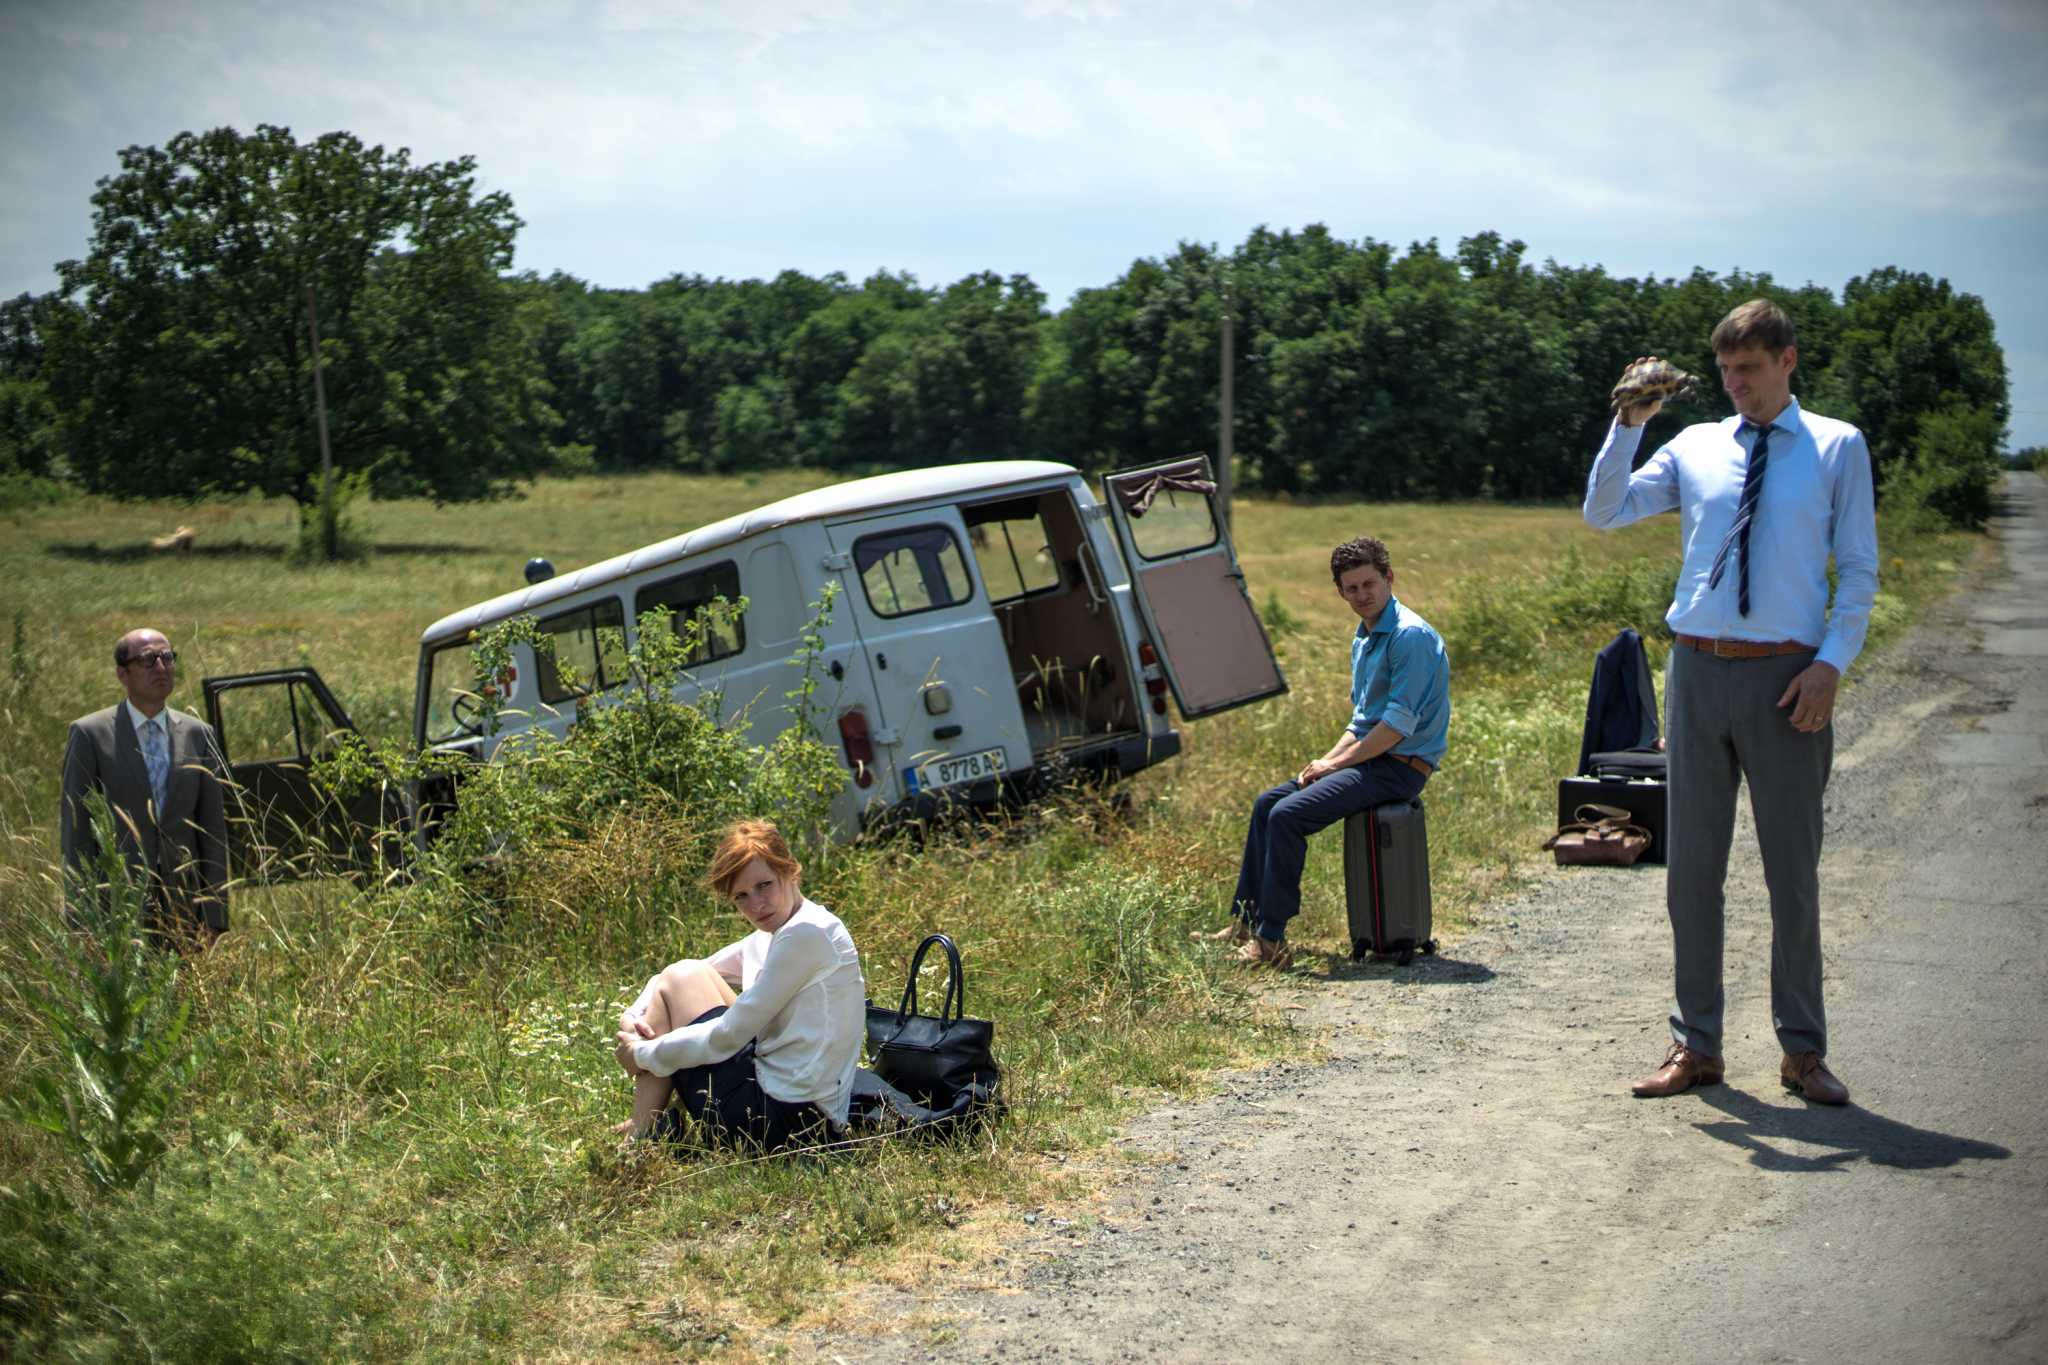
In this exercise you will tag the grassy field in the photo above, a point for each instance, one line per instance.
(395, 1143)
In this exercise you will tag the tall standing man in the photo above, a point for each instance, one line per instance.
(163, 777)
(1400, 718)
(1764, 498)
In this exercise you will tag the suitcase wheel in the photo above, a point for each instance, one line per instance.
(1359, 948)
(1428, 946)
(1407, 956)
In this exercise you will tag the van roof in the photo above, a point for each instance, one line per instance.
(834, 500)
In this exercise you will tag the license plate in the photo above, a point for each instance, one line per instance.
(946, 772)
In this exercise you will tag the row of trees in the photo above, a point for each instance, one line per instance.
(173, 358)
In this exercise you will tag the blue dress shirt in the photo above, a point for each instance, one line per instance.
(1401, 674)
(1816, 499)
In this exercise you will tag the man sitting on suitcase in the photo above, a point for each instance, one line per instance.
(1401, 712)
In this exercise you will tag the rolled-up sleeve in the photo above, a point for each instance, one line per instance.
(1362, 719)
(1409, 656)
(797, 957)
(1855, 537)
(1614, 495)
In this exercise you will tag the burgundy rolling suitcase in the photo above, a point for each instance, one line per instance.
(1386, 882)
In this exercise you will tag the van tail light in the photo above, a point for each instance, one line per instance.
(860, 750)
(1155, 677)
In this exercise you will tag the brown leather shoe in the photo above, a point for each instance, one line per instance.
(1809, 1075)
(1682, 1070)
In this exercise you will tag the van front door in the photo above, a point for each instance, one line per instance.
(1189, 588)
(950, 718)
(271, 727)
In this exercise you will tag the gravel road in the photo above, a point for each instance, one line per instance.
(1468, 1178)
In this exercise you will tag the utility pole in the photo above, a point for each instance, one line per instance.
(329, 515)
(1224, 414)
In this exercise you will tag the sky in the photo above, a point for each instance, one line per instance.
(642, 138)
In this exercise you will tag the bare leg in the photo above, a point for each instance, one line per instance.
(680, 994)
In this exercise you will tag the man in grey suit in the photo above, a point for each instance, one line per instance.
(163, 776)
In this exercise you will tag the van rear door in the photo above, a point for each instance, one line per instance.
(1189, 588)
(950, 715)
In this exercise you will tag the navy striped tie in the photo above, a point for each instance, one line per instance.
(1737, 539)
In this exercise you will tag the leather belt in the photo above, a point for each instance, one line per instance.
(1412, 761)
(1742, 649)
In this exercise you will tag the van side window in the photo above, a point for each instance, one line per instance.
(1012, 548)
(577, 648)
(1177, 521)
(917, 568)
(691, 594)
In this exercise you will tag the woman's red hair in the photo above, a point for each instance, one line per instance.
(744, 842)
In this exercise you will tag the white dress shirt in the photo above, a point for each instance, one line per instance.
(1817, 498)
(802, 1002)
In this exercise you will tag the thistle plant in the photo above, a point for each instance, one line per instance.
(111, 1005)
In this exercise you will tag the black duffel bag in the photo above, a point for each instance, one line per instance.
(945, 1063)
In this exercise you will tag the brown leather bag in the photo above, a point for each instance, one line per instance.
(1598, 836)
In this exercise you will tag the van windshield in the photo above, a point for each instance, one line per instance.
(451, 695)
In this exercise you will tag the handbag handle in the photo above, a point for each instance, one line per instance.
(955, 1003)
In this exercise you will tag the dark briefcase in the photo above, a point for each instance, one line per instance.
(1644, 800)
(1386, 882)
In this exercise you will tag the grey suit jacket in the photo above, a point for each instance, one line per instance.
(184, 848)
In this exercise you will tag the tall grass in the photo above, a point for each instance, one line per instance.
(397, 1142)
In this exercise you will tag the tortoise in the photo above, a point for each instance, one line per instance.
(1651, 380)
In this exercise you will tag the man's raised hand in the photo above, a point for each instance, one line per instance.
(1644, 388)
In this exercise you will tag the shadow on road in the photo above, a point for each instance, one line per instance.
(1431, 969)
(1854, 1134)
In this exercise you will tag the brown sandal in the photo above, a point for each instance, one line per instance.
(1264, 952)
(1237, 931)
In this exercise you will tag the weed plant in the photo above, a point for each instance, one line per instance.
(397, 1144)
(107, 997)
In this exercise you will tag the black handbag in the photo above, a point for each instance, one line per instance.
(943, 1062)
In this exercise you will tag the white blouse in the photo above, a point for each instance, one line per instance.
(801, 1000)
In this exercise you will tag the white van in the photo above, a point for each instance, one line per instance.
(994, 624)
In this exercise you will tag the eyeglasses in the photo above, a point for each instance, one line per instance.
(163, 659)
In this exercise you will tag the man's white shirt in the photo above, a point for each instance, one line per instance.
(1817, 498)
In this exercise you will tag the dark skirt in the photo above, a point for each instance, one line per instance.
(731, 1108)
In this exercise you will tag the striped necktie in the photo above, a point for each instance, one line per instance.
(1737, 539)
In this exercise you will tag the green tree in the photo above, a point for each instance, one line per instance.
(27, 417)
(1910, 348)
(179, 362)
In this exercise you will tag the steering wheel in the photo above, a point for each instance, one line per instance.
(464, 711)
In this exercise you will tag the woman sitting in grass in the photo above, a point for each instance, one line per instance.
(774, 1065)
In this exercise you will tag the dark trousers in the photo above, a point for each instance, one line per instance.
(727, 1101)
(1276, 845)
(1725, 725)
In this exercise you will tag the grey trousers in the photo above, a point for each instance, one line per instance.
(1723, 724)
